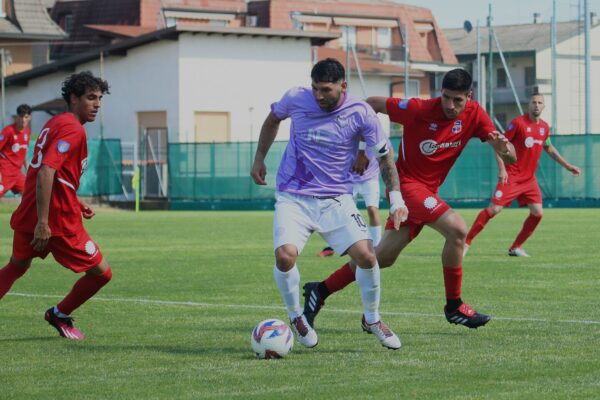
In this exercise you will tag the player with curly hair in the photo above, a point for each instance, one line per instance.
(48, 220)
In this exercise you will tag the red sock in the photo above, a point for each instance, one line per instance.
(484, 216)
(83, 290)
(340, 278)
(528, 227)
(453, 282)
(8, 275)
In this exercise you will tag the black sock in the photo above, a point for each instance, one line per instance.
(453, 304)
(323, 291)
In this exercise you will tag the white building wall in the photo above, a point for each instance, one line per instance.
(570, 83)
(240, 75)
(144, 80)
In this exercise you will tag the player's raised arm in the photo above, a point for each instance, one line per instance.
(555, 155)
(503, 147)
(268, 133)
(378, 103)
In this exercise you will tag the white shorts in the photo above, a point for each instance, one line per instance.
(336, 219)
(369, 191)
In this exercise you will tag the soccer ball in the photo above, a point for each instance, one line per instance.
(272, 338)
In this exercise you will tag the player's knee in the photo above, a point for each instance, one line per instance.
(285, 258)
(538, 214)
(385, 261)
(494, 210)
(459, 233)
(106, 275)
(365, 259)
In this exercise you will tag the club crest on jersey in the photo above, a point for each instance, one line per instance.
(403, 104)
(433, 127)
(63, 146)
(528, 129)
(457, 128)
(542, 131)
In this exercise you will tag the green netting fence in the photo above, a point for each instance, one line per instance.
(216, 175)
(104, 170)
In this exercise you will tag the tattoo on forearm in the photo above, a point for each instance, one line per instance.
(389, 174)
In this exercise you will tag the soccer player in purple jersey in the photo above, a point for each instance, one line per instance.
(365, 176)
(314, 189)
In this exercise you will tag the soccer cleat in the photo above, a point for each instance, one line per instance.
(465, 315)
(385, 335)
(305, 334)
(326, 252)
(64, 326)
(517, 252)
(466, 249)
(312, 302)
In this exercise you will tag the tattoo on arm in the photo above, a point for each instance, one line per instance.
(389, 173)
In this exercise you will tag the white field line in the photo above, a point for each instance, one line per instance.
(259, 307)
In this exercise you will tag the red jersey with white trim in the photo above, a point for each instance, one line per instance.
(62, 146)
(529, 139)
(13, 147)
(431, 143)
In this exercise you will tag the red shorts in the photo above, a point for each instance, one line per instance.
(424, 207)
(16, 183)
(527, 192)
(76, 252)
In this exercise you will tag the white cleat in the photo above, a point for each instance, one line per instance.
(305, 334)
(517, 252)
(385, 335)
(466, 250)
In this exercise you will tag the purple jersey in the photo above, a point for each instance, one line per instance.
(323, 144)
(372, 171)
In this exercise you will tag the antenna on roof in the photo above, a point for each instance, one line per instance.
(468, 26)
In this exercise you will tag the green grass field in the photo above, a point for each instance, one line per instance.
(188, 288)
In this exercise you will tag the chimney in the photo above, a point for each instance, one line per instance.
(537, 17)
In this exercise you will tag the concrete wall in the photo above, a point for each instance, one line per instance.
(239, 75)
(571, 83)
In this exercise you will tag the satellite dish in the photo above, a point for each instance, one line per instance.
(468, 26)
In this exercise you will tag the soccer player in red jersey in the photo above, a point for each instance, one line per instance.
(48, 220)
(529, 134)
(435, 133)
(14, 140)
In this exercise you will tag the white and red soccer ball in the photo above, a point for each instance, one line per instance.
(272, 338)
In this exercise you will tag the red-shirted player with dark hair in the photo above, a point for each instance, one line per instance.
(14, 140)
(435, 133)
(529, 134)
(48, 220)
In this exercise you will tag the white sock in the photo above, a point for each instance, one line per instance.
(375, 233)
(289, 287)
(370, 291)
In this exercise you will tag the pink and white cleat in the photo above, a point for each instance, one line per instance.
(64, 326)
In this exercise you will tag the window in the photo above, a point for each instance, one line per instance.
(384, 38)
(67, 23)
(529, 76)
(217, 22)
(211, 127)
(500, 78)
(348, 36)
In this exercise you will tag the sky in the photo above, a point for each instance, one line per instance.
(453, 13)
